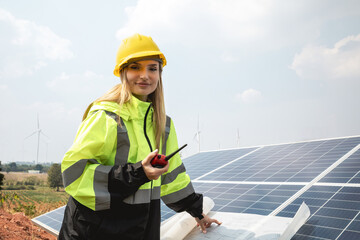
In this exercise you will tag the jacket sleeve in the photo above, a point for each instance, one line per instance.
(177, 191)
(88, 170)
(125, 180)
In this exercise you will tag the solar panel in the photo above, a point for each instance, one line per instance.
(347, 171)
(51, 221)
(195, 166)
(298, 162)
(335, 213)
(276, 179)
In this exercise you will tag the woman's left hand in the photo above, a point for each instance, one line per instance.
(206, 222)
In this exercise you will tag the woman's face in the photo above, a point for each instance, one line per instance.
(143, 77)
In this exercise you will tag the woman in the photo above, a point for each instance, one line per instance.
(114, 190)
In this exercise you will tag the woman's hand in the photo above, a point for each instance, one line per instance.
(206, 222)
(151, 172)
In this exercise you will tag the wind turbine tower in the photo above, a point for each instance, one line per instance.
(38, 131)
(197, 134)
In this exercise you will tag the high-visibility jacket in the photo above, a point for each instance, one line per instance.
(111, 197)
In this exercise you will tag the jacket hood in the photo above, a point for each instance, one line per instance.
(134, 109)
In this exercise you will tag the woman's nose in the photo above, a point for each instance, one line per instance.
(144, 74)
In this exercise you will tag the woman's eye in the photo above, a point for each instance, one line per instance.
(134, 67)
(153, 69)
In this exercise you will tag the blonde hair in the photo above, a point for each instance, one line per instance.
(121, 94)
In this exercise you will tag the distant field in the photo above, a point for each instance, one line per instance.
(39, 200)
(20, 176)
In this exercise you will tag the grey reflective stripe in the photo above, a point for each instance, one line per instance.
(123, 143)
(178, 195)
(102, 195)
(156, 193)
(75, 171)
(167, 132)
(143, 196)
(171, 176)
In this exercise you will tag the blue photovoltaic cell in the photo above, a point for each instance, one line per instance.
(298, 162)
(204, 162)
(51, 219)
(246, 198)
(241, 198)
(346, 172)
(333, 212)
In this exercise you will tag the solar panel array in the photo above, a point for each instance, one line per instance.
(276, 179)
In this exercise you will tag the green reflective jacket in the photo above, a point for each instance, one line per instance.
(91, 167)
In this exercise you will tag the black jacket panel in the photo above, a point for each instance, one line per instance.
(128, 222)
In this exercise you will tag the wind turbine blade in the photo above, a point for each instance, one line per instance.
(44, 134)
(31, 134)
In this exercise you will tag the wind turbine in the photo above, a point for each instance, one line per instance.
(38, 131)
(197, 134)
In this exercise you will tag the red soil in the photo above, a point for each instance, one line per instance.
(17, 226)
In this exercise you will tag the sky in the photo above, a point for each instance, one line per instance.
(243, 73)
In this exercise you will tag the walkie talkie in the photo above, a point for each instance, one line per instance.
(159, 161)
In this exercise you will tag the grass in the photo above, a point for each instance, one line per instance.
(39, 200)
(45, 195)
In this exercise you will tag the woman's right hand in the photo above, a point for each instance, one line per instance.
(151, 172)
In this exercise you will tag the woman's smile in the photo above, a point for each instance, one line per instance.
(142, 84)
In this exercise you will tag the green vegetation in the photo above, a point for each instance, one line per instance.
(54, 176)
(30, 194)
(32, 202)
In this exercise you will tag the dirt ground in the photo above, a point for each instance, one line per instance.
(17, 226)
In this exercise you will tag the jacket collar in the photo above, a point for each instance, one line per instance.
(134, 109)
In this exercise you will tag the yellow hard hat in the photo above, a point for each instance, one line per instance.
(134, 47)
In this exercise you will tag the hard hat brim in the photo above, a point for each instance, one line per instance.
(138, 55)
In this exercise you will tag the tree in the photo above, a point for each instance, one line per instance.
(13, 167)
(54, 176)
(38, 167)
(1, 177)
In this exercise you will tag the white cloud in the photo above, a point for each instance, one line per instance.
(50, 110)
(339, 62)
(52, 115)
(228, 57)
(253, 25)
(86, 82)
(3, 87)
(186, 24)
(250, 96)
(27, 46)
